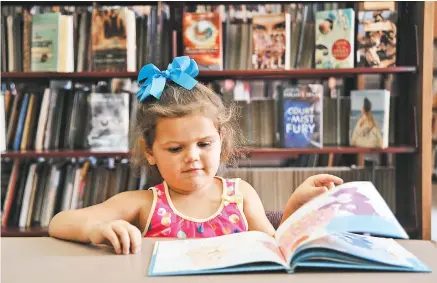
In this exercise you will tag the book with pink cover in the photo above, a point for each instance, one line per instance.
(348, 227)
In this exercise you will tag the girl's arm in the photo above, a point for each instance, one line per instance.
(254, 210)
(77, 225)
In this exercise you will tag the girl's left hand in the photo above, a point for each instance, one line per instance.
(309, 189)
(314, 186)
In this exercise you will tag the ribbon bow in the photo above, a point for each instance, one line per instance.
(182, 71)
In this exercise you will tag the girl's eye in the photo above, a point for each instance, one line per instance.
(175, 149)
(204, 144)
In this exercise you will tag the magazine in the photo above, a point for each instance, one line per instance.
(348, 227)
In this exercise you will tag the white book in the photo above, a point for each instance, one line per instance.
(42, 120)
(2, 123)
(75, 193)
(27, 196)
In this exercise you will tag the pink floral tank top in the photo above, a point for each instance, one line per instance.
(165, 221)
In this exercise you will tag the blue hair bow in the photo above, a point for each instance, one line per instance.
(182, 71)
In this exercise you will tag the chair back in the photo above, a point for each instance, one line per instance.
(274, 217)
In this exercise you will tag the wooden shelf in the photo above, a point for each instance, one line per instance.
(24, 232)
(284, 152)
(303, 73)
(80, 3)
(241, 74)
(73, 75)
(64, 153)
(280, 152)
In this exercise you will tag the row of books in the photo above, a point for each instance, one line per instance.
(303, 113)
(289, 36)
(281, 36)
(63, 116)
(34, 191)
(82, 38)
(292, 114)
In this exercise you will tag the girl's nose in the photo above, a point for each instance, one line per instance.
(192, 154)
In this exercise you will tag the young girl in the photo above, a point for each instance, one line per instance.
(186, 133)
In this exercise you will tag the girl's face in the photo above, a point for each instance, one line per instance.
(186, 151)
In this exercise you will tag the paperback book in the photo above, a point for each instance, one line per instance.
(335, 39)
(369, 118)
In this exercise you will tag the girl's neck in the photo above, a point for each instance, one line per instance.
(175, 192)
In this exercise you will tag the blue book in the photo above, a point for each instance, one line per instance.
(300, 115)
(348, 227)
(21, 120)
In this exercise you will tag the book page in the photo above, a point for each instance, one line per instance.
(350, 207)
(380, 250)
(185, 256)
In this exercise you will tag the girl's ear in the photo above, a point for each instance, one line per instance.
(150, 158)
(147, 153)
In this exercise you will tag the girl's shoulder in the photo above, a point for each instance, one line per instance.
(137, 196)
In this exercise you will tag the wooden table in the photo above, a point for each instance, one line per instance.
(46, 259)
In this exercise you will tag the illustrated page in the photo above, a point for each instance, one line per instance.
(381, 250)
(350, 207)
(217, 252)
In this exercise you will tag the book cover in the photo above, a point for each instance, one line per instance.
(202, 38)
(270, 41)
(369, 118)
(335, 39)
(300, 115)
(320, 234)
(376, 39)
(109, 39)
(109, 121)
(45, 42)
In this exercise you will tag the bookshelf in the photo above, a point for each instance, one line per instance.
(234, 74)
(413, 151)
(24, 232)
(253, 152)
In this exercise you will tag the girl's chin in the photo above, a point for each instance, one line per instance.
(193, 182)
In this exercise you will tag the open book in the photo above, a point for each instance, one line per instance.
(331, 231)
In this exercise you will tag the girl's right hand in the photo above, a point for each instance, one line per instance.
(120, 234)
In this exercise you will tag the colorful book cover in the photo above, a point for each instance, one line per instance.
(270, 36)
(202, 38)
(335, 39)
(300, 115)
(109, 39)
(369, 120)
(376, 39)
(320, 234)
(45, 41)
